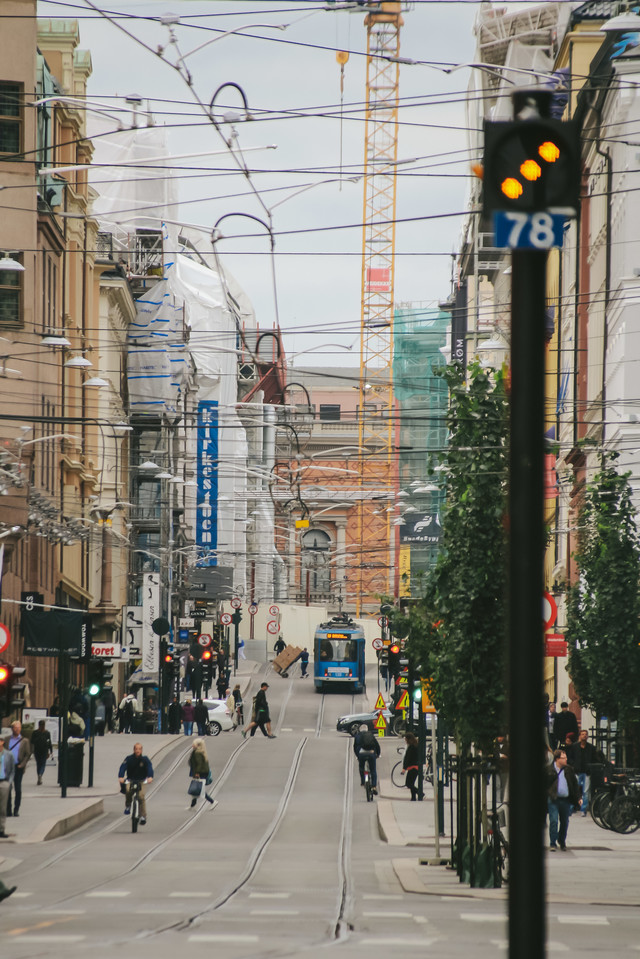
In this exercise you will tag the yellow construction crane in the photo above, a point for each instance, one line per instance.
(378, 470)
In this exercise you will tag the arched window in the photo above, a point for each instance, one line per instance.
(316, 545)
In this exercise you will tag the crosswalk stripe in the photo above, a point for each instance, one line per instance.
(221, 937)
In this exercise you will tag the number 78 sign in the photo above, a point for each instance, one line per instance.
(528, 231)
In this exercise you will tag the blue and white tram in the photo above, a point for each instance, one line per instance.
(339, 656)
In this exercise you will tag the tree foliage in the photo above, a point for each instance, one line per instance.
(603, 615)
(457, 631)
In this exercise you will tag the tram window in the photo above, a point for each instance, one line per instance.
(326, 649)
(351, 650)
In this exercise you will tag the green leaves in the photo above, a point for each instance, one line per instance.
(458, 626)
(604, 605)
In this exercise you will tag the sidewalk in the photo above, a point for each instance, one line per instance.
(600, 867)
(44, 814)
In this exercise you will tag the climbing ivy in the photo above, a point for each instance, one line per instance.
(457, 627)
(603, 614)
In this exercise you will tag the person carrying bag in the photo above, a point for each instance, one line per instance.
(200, 771)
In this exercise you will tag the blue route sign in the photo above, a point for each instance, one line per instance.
(528, 231)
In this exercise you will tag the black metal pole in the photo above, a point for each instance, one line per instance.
(63, 696)
(422, 750)
(92, 736)
(527, 920)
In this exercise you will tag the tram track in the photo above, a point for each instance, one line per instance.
(340, 917)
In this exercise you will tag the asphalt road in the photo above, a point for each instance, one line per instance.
(289, 861)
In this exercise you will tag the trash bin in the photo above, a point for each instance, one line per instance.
(75, 761)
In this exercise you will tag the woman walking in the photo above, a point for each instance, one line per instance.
(199, 771)
(410, 765)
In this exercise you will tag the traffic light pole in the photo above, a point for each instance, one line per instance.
(92, 737)
(527, 793)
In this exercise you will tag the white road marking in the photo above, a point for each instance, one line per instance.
(557, 947)
(21, 895)
(378, 941)
(482, 917)
(49, 939)
(190, 895)
(389, 915)
(275, 912)
(584, 920)
(377, 895)
(420, 919)
(221, 937)
(116, 894)
(269, 895)
(309, 729)
(287, 729)
(62, 912)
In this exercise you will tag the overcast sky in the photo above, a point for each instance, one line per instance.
(292, 83)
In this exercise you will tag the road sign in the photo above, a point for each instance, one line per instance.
(380, 703)
(236, 602)
(377, 643)
(225, 619)
(273, 627)
(555, 645)
(382, 621)
(134, 650)
(186, 622)
(381, 725)
(403, 702)
(5, 637)
(204, 639)
(427, 705)
(274, 610)
(253, 609)
(549, 610)
(528, 231)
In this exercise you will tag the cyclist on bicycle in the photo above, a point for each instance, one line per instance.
(366, 747)
(136, 768)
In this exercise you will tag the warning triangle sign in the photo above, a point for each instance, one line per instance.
(380, 703)
(381, 722)
(403, 702)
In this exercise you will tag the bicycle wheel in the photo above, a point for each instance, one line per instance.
(600, 809)
(398, 776)
(135, 811)
(368, 788)
(623, 815)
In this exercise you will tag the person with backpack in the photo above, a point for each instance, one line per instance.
(366, 747)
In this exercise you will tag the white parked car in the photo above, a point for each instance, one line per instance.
(220, 719)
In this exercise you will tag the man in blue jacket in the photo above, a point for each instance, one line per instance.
(136, 768)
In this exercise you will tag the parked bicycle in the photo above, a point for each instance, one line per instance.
(398, 773)
(616, 805)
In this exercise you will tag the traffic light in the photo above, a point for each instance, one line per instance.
(107, 672)
(531, 165)
(236, 617)
(207, 668)
(18, 687)
(394, 659)
(94, 685)
(5, 689)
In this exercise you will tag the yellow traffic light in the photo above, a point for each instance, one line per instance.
(511, 188)
(549, 151)
(530, 170)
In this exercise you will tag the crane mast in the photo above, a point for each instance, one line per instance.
(378, 469)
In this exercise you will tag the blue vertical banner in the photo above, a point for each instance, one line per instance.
(207, 478)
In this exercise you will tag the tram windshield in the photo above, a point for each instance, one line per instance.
(339, 650)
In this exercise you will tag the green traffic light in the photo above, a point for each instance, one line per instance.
(94, 689)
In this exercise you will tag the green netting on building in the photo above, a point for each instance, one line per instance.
(419, 336)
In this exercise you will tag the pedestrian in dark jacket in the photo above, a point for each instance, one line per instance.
(42, 748)
(565, 722)
(237, 697)
(199, 768)
(173, 716)
(262, 718)
(367, 748)
(410, 765)
(188, 716)
(582, 755)
(201, 717)
(563, 793)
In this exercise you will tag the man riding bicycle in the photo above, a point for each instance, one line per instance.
(136, 768)
(366, 747)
